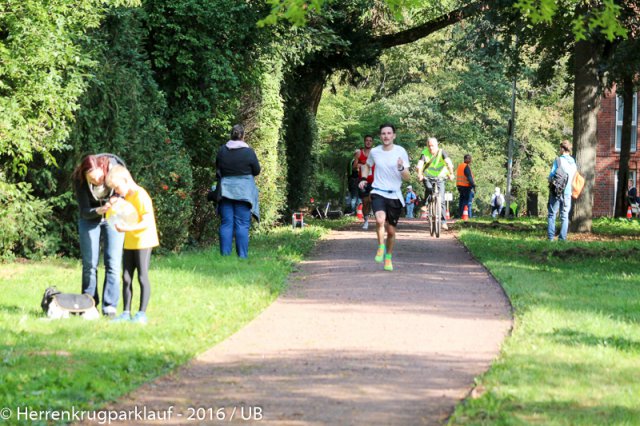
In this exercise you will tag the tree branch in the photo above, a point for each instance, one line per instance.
(423, 30)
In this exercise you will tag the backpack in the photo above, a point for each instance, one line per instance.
(56, 304)
(577, 185)
(559, 181)
(214, 194)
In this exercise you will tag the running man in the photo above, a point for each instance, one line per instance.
(392, 167)
(436, 164)
(360, 160)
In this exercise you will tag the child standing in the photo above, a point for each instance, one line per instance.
(139, 240)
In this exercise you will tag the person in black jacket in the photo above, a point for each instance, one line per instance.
(237, 165)
(93, 197)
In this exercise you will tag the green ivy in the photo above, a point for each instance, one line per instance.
(203, 55)
(263, 133)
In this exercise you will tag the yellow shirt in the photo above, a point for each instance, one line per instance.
(144, 238)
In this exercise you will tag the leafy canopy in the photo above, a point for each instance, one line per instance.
(43, 66)
(604, 18)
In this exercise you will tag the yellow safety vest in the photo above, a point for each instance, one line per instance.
(436, 164)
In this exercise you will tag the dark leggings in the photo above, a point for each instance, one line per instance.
(132, 260)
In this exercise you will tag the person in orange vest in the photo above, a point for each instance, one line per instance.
(465, 184)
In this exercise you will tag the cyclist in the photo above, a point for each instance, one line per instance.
(435, 163)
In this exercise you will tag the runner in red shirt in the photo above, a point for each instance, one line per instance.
(360, 157)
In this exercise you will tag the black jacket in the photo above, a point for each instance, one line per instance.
(87, 203)
(237, 162)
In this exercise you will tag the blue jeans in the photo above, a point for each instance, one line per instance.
(352, 201)
(91, 232)
(236, 221)
(465, 199)
(410, 207)
(562, 205)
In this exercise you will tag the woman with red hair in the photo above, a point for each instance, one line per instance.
(93, 195)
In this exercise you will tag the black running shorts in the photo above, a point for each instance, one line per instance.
(392, 207)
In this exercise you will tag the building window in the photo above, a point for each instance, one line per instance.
(634, 123)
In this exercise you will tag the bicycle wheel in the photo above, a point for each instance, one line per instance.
(430, 214)
(438, 218)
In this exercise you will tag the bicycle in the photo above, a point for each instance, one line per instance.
(434, 205)
(320, 213)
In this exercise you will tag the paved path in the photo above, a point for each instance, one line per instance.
(351, 344)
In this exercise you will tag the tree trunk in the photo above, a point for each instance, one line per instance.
(302, 93)
(532, 204)
(586, 104)
(625, 147)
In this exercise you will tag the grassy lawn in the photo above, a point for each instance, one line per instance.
(197, 300)
(574, 355)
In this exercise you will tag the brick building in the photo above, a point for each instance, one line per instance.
(608, 152)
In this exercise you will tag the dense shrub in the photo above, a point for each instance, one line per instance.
(204, 221)
(165, 172)
(42, 73)
(122, 112)
(23, 221)
(204, 54)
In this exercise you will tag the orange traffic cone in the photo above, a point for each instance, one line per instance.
(423, 214)
(447, 216)
(465, 213)
(629, 214)
(359, 212)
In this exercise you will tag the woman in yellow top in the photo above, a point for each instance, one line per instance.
(139, 240)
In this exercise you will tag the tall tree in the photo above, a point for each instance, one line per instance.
(348, 39)
(453, 85)
(594, 23)
(43, 67)
(589, 46)
(587, 92)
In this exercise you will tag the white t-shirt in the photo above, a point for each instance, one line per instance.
(387, 177)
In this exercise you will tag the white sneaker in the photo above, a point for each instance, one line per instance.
(444, 226)
(109, 311)
(366, 224)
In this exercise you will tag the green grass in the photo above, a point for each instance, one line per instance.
(197, 300)
(574, 355)
(623, 227)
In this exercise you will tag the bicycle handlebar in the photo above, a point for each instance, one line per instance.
(434, 179)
